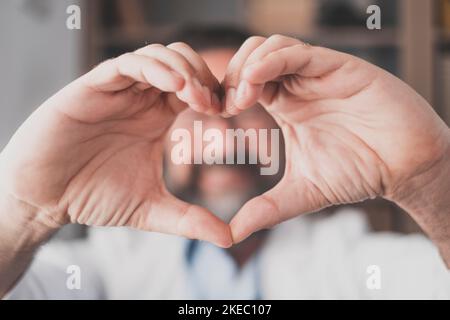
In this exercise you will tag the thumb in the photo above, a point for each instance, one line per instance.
(286, 200)
(172, 216)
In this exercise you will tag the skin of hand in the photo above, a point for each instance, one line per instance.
(92, 154)
(352, 131)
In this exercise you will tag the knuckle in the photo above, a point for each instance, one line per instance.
(149, 47)
(154, 45)
(277, 38)
(179, 45)
(185, 65)
(254, 39)
(123, 58)
(106, 63)
(126, 56)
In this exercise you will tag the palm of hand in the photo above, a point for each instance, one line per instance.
(109, 159)
(99, 162)
(347, 142)
(120, 177)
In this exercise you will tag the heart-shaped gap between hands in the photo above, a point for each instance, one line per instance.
(226, 171)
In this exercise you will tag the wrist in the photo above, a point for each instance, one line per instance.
(21, 233)
(426, 197)
(23, 227)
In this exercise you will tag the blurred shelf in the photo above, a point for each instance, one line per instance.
(350, 37)
(443, 36)
(354, 37)
(116, 37)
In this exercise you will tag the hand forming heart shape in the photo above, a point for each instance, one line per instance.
(94, 151)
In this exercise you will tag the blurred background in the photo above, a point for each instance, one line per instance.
(39, 55)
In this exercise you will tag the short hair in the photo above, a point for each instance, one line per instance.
(210, 37)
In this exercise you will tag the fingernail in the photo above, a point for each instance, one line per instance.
(207, 96)
(197, 85)
(211, 112)
(229, 99)
(177, 77)
(226, 115)
(196, 107)
(242, 90)
(216, 101)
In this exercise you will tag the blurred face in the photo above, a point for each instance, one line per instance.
(223, 189)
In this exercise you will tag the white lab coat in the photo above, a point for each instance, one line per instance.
(303, 259)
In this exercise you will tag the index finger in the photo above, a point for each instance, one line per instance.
(233, 74)
(203, 73)
(301, 59)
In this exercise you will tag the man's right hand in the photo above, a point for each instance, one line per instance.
(352, 131)
(92, 154)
